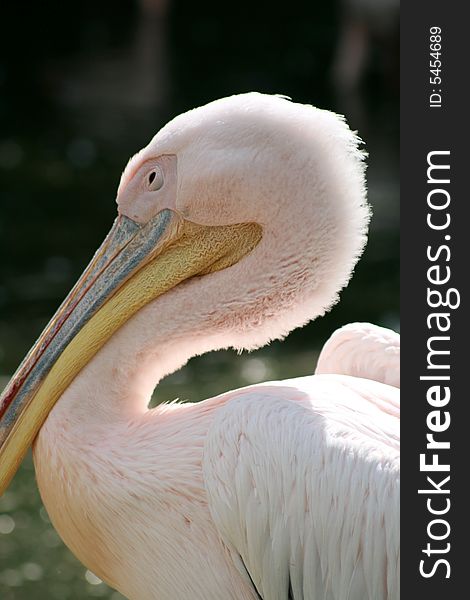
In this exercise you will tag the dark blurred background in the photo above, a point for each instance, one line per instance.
(85, 85)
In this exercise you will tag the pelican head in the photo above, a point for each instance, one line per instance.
(256, 199)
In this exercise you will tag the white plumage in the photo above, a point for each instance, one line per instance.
(363, 350)
(287, 490)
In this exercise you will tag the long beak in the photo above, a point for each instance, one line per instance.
(134, 265)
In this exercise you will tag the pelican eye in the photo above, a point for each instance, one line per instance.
(155, 179)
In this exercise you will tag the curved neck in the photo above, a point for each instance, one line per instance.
(259, 299)
(117, 384)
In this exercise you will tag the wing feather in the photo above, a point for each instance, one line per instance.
(362, 350)
(302, 479)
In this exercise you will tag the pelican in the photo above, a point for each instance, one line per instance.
(240, 221)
